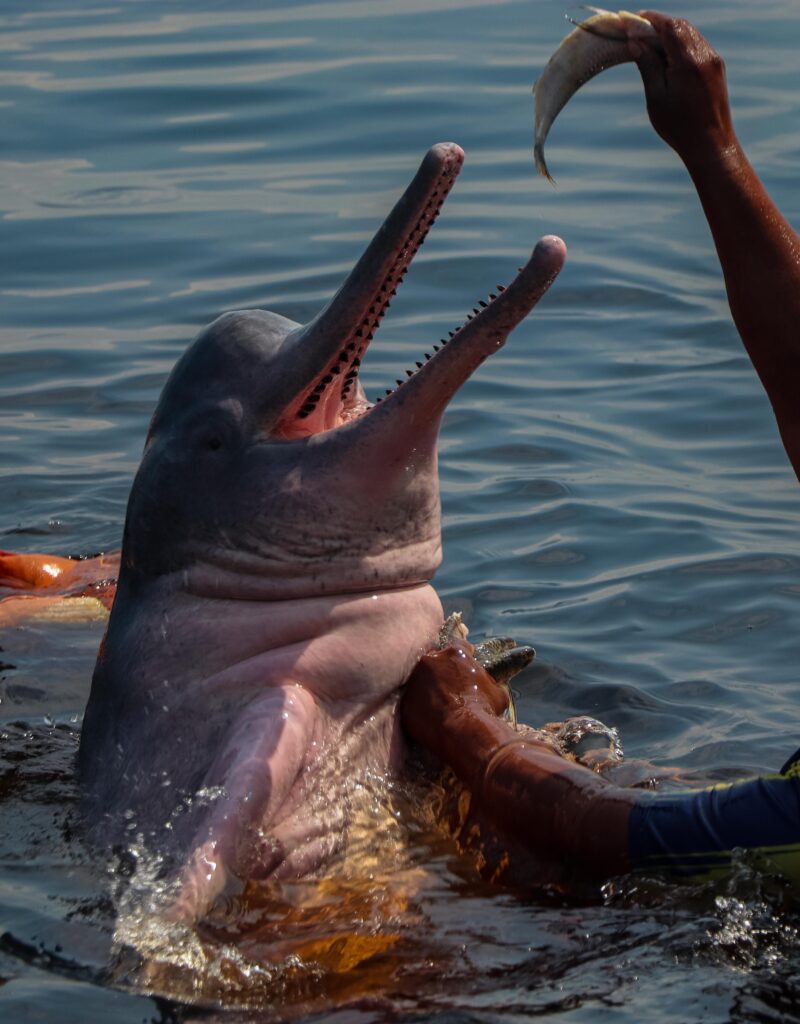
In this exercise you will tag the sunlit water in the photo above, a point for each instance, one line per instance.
(613, 486)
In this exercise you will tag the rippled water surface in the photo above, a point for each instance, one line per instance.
(614, 489)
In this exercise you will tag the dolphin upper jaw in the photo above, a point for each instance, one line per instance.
(333, 344)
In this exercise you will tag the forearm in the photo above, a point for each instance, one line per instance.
(687, 100)
(558, 810)
(529, 796)
(760, 257)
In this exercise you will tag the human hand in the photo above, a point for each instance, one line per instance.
(685, 87)
(444, 684)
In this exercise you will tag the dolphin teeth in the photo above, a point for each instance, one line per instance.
(349, 359)
(483, 304)
(501, 288)
(492, 296)
(453, 333)
(386, 289)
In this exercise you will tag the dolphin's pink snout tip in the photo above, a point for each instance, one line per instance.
(550, 248)
(542, 268)
(444, 153)
(545, 263)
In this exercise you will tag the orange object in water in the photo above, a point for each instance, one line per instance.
(33, 572)
(71, 577)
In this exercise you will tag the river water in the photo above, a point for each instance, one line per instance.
(613, 485)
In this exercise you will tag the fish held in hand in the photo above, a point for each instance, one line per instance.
(598, 43)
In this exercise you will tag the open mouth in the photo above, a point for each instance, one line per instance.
(337, 339)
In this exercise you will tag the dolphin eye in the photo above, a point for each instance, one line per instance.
(211, 428)
(213, 438)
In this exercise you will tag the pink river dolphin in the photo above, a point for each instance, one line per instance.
(273, 591)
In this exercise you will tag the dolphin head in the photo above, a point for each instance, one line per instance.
(268, 473)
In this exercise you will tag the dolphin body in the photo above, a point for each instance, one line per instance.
(274, 590)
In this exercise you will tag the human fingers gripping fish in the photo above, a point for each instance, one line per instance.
(598, 43)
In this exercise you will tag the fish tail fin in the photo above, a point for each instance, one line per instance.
(593, 30)
(541, 165)
(630, 25)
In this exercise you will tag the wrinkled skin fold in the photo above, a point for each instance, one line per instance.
(274, 588)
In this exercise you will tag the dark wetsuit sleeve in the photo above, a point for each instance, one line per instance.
(693, 834)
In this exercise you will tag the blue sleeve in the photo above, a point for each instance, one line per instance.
(693, 834)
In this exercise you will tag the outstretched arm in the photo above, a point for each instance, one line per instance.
(566, 816)
(560, 811)
(687, 100)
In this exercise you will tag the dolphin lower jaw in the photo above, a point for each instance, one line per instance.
(413, 410)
